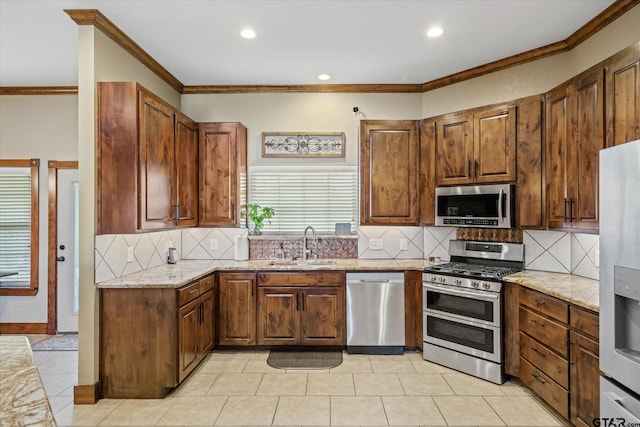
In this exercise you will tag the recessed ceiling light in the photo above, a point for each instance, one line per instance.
(248, 33)
(435, 32)
(324, 76)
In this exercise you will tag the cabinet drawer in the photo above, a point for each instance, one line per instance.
(547, 331)
(545, 304)
(545, 387)
(544, 359)
(585, 322)
(332, 278)
(188, 293)
(206, 284)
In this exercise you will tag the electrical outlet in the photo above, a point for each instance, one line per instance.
(376, 244)
(596, 261)
(404, 244)
(213, 244)
(129, 254)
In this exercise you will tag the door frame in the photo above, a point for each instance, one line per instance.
(52, 252)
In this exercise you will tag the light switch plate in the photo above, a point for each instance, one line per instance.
(213, 244)
(404, 244)
(129, 254)
(376, 243)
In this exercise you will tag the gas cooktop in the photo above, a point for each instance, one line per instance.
(465, 269)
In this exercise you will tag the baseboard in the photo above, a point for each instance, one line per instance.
(87, 394)
(23, 328)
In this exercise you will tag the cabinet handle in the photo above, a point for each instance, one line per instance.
(535, 322)
(571, 218)
(475, 169)
(302, 302)
(177, 213)
(537, 377)
(596, 325)
(201, 317)
(193, 291)
(539, 302)
(539, 352)
(564, 216)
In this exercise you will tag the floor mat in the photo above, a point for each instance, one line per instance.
(63, 342)
(304, 359)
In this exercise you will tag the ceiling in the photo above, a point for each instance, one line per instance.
(355, 41)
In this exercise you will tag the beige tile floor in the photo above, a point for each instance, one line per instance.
(241, 389)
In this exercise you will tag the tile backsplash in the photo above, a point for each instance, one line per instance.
(544, 250)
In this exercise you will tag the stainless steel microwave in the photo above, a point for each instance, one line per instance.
(485, 206)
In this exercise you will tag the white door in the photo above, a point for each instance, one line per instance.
(67, 250)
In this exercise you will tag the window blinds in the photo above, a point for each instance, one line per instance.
(302, 196)
(15, 226)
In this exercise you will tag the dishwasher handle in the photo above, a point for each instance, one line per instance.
(371, 281)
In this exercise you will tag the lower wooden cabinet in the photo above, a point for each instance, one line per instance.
(301, 308)
(585, 368)
(237, 309)
(152, 338)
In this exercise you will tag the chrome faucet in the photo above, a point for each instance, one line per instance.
(305, 251)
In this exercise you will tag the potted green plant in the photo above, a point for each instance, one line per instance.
(257, 214)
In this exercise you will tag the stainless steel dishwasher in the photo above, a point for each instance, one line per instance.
(375, 313)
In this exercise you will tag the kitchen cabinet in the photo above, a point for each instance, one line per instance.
(574, 136)
(585, 367)
(544, 332)
(427, 177)
(301, 308)
(389, 172)
(223, 173)
(478, 147)
(622, 83)
(146, 156)
(237, 309)
(152, 338)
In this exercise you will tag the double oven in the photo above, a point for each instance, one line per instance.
(462, 307)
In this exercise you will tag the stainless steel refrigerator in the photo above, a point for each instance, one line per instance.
(620, 284)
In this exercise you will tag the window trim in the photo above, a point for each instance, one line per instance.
(34, 165)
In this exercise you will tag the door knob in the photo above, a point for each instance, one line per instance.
(60, 258)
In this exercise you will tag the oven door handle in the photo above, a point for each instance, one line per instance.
(486, 296)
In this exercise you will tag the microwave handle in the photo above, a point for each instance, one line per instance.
(500, 205)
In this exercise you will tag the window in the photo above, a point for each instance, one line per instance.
(19, 227)
(301, 196)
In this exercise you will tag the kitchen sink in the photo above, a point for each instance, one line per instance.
(309, 262)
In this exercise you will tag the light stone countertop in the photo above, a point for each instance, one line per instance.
(185, 271)
(22, 397)
(573, 289)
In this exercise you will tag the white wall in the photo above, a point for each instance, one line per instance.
(300, 112)
(42, 127)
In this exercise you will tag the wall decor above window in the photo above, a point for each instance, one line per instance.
(301, 144)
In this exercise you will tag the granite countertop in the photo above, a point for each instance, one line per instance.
(22, 397)
(573, 289)
(185, 271)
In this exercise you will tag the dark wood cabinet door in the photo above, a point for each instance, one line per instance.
(206, 324)
(157, 163)
(454, 150)
(530, 206)
(622, 83)
(186, 180)
(188, 338)
(278, 315)
(237, 308)
(585, 380)
(222, 172)
(588, 140)
(558, 156)
(323, 316)
(389, 169)
(494, 145)
(427, 190)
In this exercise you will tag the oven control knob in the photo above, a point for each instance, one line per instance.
(434, 279)
(457, 282)
(475, 284)
(442, 279)
(486, 285)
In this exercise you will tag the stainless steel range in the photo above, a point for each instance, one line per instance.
(462, 307)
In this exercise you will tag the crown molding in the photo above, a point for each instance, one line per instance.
(329, 88)
(38, 90)
(97, 19)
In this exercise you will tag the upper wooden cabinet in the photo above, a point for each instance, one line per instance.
(388, 172)
(476, 148)
(427, 174)
(574, 137)
(622, 82)
(223, 173)
(146, 157)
